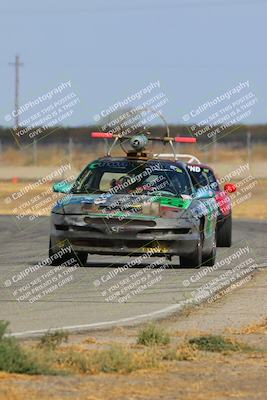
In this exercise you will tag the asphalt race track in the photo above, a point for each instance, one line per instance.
(84, 298)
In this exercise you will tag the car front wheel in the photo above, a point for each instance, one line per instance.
(82, 258)
(210, 258)
(194, 260)
(54, 260)
(224, 232)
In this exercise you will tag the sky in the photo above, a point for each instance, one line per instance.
(110, 49)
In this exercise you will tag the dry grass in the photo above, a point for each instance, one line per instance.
(155, 352)
(118, 359)
(16, 358)
(115, 359)
(28, 203)
(255, 206)
(152, 335)
(257, 328)
(76, 359)
(171, 370)
(184, 352)
(251, 209)
(90, 340)
(47, 156)
(52, 155)
(217, 344)
(52, 340)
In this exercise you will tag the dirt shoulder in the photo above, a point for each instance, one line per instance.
(240, 317)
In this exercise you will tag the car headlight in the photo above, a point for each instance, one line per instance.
(198, 211)
(172, 212)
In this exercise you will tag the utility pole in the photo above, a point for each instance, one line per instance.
(16, 64)
(249, 146)
(34, 149)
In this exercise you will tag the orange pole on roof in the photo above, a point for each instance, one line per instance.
(185, 139)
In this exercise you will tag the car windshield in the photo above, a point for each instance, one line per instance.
(203, 177)
(133, 177)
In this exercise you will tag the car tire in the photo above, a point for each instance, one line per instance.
(194, 260)
(210, 259)
(55, 262)
(82, 258)
(224, 232)
(51, 252)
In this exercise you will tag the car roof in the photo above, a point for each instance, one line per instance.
(149, 160)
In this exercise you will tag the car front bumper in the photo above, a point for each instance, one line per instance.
(98, 235)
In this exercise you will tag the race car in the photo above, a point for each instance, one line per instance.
(135, 205)
(203, 177)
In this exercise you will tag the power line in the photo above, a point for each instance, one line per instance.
(16, 64)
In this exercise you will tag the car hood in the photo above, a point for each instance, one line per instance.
(119, 205)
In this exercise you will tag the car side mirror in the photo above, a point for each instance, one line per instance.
(62, 187)
(203, 193)
(229, 188)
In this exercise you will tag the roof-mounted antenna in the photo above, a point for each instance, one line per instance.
(139, 142)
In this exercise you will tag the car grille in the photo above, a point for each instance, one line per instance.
(178, 231)
(103, 222)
